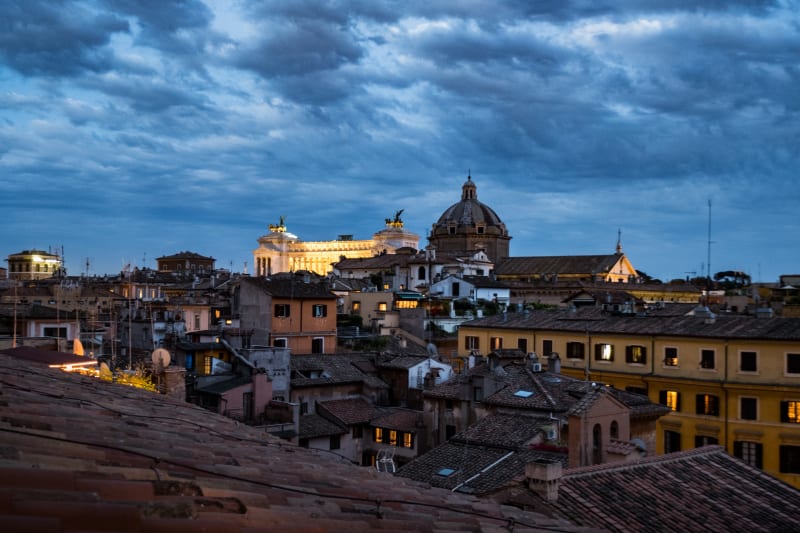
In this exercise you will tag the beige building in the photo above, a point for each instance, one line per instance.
(33, 264)
(282, 251)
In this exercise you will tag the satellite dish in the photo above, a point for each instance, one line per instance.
(161, 357)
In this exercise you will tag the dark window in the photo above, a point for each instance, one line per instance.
(702, 440)
(448, 404)
(279, 343)
(319, 310)
(793, 363)
(456, 289)
(282, 310)
(749, 452)
(303, 443)
(335, 442)
(449, 431)
(317, 345)
(189, 361)
(636, 354)
(481, 229)
(303, 408)
(472, 342)
(790, 459)
(522, 344)
(748, 408)
(670, 398)
(576, 350)
(614, 430)
(707, 404)
(547, 347)
(637, 390)
(421, 273)
(451, 230)
(671, 356)
(707, 359)
(358, 432)
(790, 412)
(603, 352)
(55, 332)
(748, 362)
(672, 441)
(477, 394)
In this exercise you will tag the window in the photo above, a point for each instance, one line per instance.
(748, 408)
(303, 443)
(707, 359)
(575, 350)
(790, 412)
(317, 345)
(672, 441)
(449, 431)
(451, 230)
(207, 365)
(378, 435)
(670, 398)
(197, 321)
(603, 352)
(748, 362)
(636, 355)
(456, 289)
(280, 343)
(382, 307)
(358, 432)
(702, 440)
(356, 307)
(793, 363)
(55, 332)
(547, 347)
(421, 273)
(477, 394)
(335, 442)
(670, 356)
(481, 229)
(408, 440)
(282, 310)
(472, 342)
(707, 404)
(749, 452)
(790, 459)
(522, 345)
(319, 310)
(393, 437)
(303, 408)
(189, 361)
(496, 343)
(613, 431)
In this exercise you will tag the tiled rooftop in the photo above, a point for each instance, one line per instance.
(703, 489)
(80, 454)
(558, 264)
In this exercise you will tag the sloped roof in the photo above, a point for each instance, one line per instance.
(292, 287)
(318, 426)
(667, 322)
(83, 454)
(503, 430)
(336, 369)
(47, 357)
(399, 418)
(220, 387)
(703, 489)
(349, 411)
(556, 264)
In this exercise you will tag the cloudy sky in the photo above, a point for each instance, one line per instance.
(131, 130)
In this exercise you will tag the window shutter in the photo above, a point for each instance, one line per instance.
(759, 455)
(737, 449)
(678, 403)
(784, 411)
(700, 405)
(662, 397)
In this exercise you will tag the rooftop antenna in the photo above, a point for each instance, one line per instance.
(710, 242)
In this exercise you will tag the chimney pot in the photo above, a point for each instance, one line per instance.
(544, 476)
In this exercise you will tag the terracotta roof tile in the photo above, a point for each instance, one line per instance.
(103, 456)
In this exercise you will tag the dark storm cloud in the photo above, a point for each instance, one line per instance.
(54, 38)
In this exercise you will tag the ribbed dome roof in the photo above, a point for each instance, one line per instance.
(469, 210)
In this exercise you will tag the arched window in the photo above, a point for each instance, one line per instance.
(597, 445)
(421, 273)
(614, 431)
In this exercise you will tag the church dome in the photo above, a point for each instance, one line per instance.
(469, 211)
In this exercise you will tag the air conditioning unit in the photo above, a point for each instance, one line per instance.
(536, 367)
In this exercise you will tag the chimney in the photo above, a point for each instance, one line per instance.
(554, 363)
(544, 477)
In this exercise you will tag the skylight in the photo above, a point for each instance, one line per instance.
(523, 393)
(446, 472)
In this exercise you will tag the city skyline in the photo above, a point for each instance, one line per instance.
(132, 131)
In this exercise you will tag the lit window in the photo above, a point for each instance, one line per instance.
(793, 363)
(671, 356)
(319, 310)
(748, 362)
(496, 343)
(378, 435)
(408, 440)
(707, 404)
(575, 350)
(749, 452)
(356, 307)
(790, 412)
(603, 352)
(393, 437)
(382, 306)
(707, 359)
(671, 399)
(636, 355)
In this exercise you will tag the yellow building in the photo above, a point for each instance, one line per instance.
(732, 380)
(281, 251)
(33, 264)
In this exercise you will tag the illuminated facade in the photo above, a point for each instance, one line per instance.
(732, 380)
(282, 251)
(33, 264)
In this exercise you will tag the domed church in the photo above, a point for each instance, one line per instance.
(469, 226)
